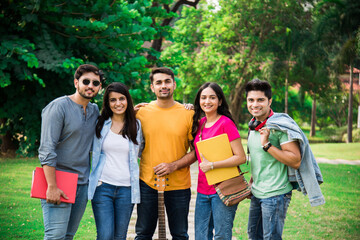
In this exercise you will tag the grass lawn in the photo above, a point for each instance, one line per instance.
(339, 218)
(20, 215)
(348, 151)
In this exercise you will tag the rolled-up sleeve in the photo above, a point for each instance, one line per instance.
(51, 126)
(142, 140)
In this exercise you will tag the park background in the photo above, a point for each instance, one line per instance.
(307, 50)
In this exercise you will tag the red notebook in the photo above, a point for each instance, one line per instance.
(65, 181)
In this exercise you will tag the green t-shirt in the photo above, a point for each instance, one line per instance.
(270, 177)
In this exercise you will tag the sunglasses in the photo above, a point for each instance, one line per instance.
(94, 82)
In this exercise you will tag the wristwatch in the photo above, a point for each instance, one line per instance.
(267, 146)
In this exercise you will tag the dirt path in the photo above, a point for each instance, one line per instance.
(338, 161)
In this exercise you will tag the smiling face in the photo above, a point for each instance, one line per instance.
(163, 86)
(209, 102)
(88, 91)
(258, 105)
(118, 103)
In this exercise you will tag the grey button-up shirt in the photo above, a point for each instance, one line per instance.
(66, 136)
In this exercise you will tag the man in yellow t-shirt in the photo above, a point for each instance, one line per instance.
(166, 127)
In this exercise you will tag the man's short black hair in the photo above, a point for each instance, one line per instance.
(259, 85)
(85, 68)
(164, 70)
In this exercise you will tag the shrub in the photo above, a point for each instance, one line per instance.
(332, 134)
(355, 135)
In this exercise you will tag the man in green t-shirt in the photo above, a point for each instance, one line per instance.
(271, 152)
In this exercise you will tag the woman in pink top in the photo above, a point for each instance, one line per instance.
(212, 118)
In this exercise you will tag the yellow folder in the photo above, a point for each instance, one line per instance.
(217, 149)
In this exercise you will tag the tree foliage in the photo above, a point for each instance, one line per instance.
(163, 14)
(338, 26)
(43, 42)
(239, 42)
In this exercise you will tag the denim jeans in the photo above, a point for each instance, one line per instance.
(112, 209)
(267, 216)
(211, 213)
(62, 221)
(177, 210)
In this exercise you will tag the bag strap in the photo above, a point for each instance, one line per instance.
(201, 130)
(248, 150)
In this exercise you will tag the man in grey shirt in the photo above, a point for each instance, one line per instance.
(67, 130)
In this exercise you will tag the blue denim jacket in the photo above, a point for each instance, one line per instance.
(98, 162)
(308, 176)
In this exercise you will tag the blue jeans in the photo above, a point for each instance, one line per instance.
(211, 213)
(62, 221)
(112, 209)
(177, 210)
(267, 216)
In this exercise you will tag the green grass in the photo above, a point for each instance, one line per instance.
(20, 215)
(339, 218)
(348, 151)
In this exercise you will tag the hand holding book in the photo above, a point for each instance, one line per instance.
(216, 149)
(205, 165)
(63, 191)
(54, 194)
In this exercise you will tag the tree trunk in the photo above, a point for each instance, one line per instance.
(8, 145)
(286, 92)
(157, 43)
(236, 102)
(350, 110)
(185, 98)
(358, 121)
(313, 117)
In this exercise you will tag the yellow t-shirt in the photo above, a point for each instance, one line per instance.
(167, 132)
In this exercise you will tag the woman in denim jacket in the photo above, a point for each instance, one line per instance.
(114, 179)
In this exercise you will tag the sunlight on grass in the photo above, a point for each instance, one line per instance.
(348, 151)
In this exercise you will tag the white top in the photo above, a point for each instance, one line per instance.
(116, 170)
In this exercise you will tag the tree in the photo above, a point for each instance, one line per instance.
(238, 42)
(338, 25)
(312, 72)
(181, 54)
(163, 12)
(43, 42)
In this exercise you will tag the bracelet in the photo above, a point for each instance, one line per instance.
(212, 165)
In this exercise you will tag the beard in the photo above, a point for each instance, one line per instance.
(165, 97)
(83, 94)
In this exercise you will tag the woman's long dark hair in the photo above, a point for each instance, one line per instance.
(130, 124)
(223, 109)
